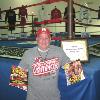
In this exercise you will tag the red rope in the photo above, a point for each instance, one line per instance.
(50, 2)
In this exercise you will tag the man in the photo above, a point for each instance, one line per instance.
(0, 14)
(99, 13)
(23, 15)
(56, 13)
(43, 63)
(65, 17)
(11, 18)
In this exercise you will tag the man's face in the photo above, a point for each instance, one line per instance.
(43, 41)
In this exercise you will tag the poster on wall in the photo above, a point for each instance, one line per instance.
(76, 49)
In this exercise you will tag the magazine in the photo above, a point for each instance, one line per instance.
(18, 77)
(74, 72)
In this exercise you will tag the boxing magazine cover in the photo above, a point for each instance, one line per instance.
(74, 72)
(19, 77)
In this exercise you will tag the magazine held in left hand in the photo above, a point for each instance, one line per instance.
(74, 72)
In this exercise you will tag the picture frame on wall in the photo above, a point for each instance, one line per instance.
(76, 49)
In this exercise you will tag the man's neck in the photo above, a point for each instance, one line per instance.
(43, 50)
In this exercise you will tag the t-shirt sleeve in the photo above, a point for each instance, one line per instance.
(64, 58)
(23, 63)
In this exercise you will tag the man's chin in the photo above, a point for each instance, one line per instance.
(44, 48)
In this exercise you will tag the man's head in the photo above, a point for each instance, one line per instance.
(43, 38)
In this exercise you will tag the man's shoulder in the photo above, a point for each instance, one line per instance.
(30, 50)
(55, 47)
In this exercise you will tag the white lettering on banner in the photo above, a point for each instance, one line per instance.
(44, 68)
